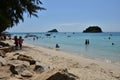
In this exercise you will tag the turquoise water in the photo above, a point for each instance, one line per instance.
(100, 46)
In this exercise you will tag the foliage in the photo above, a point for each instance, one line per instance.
(11, 11)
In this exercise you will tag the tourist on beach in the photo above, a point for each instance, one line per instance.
(16, 42)
(20, 41)
(57, 46)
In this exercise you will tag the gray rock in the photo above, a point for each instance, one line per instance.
(26, 58)
(17, 69)
(3, 62)
(39, 69)
(26, 73)
(2, 53)
(18, 62)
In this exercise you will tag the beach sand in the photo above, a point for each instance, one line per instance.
(83, 68)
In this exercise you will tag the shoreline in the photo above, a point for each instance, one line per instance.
(71, 53)
(84, 68)
(79, 55)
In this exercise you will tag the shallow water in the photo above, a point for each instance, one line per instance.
(100, 46)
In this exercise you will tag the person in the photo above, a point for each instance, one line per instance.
(33, 38)
(112, 43)
(57, 46)
(16, 42)
(20, 41)
(87, 42)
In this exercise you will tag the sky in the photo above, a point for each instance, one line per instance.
(73, 16)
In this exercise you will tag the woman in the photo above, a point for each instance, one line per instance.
(20, 41)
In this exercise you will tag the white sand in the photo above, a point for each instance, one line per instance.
(84, 68)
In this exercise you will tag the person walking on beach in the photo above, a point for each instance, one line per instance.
(20, 41)
(16, 42)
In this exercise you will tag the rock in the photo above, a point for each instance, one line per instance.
(16, 54)
(17, 69)
(116, 75)
(13, 70)
(2, 53)
(3, 62)
(7, 49)
(93, 29)
(26, 58)
(27, 73)
(4, 44)
(39, 69)
(53, 30)
(18, 62)
(61, 76)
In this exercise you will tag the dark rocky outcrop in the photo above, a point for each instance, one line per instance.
(53, 30)
(93, 29)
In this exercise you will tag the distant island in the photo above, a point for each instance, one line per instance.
(53, 30)
(93, 29)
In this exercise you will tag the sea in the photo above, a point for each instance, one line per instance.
(102, 46)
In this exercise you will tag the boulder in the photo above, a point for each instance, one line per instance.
(3, 62)
(26, 73)
(26, 58)
(61, 76)
(13, 70)
(2, 53)
(39, 69)
(4, 44)
(17, 69)
(7, 49)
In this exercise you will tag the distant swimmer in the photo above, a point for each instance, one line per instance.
(109, 38)
(113, 44)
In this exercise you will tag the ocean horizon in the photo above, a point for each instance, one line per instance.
(102, 46)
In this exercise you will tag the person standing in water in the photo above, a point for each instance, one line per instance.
(57, 46)
(87, 42)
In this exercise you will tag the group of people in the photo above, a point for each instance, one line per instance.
(18, 42)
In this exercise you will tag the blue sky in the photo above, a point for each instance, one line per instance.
(73, 16)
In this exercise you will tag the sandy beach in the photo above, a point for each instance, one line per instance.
(82, 68)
